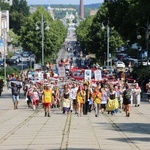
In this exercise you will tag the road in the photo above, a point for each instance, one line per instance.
(25, 129)
(63, 54)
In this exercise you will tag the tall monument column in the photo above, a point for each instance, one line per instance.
(81, 9)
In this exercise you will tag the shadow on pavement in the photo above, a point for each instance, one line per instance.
(134, 128)
(142, 128)
(131, 139)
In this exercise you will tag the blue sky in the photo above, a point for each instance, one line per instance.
(63, 1)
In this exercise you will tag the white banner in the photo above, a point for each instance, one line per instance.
(37, 67)
(87, 74)
(98, 75)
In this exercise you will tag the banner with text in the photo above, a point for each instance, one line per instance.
(98, 75)
(87, 74)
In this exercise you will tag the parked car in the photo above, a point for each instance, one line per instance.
(1, 62)
(11, 61)
(25, 54)
(17, 58)
(146, 63)
(22, 66)
(120, 66)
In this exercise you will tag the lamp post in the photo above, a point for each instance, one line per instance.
(42, 24)
(139, 36)
(108, 36)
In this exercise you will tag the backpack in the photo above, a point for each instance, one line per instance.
(127, 94)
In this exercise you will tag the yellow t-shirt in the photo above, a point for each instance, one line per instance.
(81, 97)
(97, 97)
(47, 96)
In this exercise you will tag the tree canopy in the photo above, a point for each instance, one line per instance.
(124, 18)
(19, 12)
(4, 6)
(93, 37)
(53, 38)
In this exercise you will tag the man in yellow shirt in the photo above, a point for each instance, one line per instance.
(47, 99)
(96, 96)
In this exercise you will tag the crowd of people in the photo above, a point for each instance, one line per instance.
(80, 97)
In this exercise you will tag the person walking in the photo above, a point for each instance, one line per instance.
(35, 98)
(96, 96)
(66, 103)
(127, 100)
(15, 94)
(73, 95)
(148, 90)
(1, 86)
(80, 99)
(112, 103)
(103, 100)
(87, 99)
(47, 99)
(118, 95)
(136, 95)
(28, 94)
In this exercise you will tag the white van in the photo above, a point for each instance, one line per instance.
(120, 66)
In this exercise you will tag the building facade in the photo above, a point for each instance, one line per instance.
(4, 29)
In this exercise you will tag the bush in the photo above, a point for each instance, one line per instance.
(9, 71)
(143, 71)
(10, 54)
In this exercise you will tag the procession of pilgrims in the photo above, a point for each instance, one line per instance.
(78, 97)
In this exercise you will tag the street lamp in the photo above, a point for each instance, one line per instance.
(139, 36)
(108, 36)
(42, 24)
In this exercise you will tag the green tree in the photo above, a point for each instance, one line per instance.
(83, 33)
(20, 6)
(19, 12)
(94, 38)
(16, 21)
(15, 38)
(127, 16)
(53, 38)
(4, 6)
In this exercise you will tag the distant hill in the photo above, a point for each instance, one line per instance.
(93, 6)
(61, 14)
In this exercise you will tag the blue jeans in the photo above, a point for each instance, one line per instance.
(15, 98)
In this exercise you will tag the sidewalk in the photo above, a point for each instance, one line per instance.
(25, 129)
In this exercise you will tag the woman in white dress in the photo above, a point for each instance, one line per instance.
(136, 93)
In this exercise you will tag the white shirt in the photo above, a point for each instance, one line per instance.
(73, 93)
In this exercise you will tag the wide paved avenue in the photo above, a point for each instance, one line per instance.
(25, 129)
